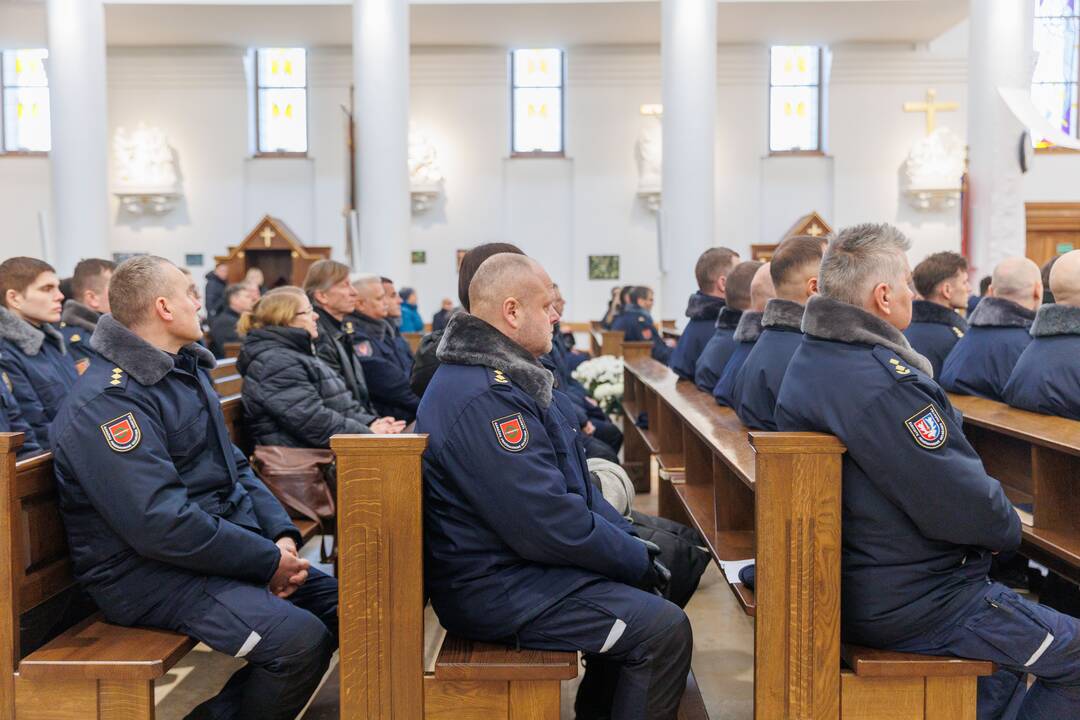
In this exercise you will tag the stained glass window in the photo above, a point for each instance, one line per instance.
(24, 94)
(281, 100)
(1057, 69)
(795, 98)
(537, 101)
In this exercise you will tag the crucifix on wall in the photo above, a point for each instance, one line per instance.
(931, 108)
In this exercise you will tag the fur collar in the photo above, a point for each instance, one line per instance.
(749, 327)
(704, 307)
(834, 320)
(924, 311)
(998, 312)
(468, 340)
(1056, 320)
(141, 360)
(27, 337)
(377, 329)
(79, 315)
(728, 319)
(783, 314)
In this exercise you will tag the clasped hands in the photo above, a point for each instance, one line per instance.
(292, 570)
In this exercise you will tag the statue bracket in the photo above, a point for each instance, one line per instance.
(148, 202)
(650, 197)
(424, 196)
(932, 199)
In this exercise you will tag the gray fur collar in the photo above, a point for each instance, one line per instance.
(728, 318)
(834, 320)
(1056, 320)
(783, 314)
(27, 337)
(468, 340)
(79, 315)
(924, 311)
(998, 312)
(749, 328)
(376, 328)
(141, 360)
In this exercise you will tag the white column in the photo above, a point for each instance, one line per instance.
(381, 74)
(688, 48)
(80, 138)
(1000, 56)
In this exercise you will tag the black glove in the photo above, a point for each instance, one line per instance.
(657, 578)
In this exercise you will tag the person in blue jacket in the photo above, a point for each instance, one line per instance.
(936, 326)
(703, 308)
(90, 299)
(167, 524)
(386, 370)
(973, 299)
(520, 548)
(745, 336)
(921, 517)
(393, 316)
(1046, 378)
(715, 354)
(12, 420)
(981, 362)
(793, 270)
(411, 321)
(33, 352)
(637, 324)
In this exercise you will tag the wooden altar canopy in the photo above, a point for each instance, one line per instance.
(812, 224)
(273, 248)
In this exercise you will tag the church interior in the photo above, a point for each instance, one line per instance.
(614, 142)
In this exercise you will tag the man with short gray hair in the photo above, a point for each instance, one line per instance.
(921, 518)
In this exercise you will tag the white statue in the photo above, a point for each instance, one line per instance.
(144, 162)
(424, 170)
(650, 154)
(934, 169)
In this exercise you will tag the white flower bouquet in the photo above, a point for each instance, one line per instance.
(603, 379)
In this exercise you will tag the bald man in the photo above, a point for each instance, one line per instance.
(746, 335)
(519, 546)
(982, 360)
(710, 364)
(1046, 378)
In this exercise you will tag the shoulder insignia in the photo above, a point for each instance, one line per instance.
(927, 427)
(959, 333)
(63, 324)
(118, 377)
(349, 327)
(498, 377)
(7, 381)
(123, 433)
(511, 432)
(76, 337)
(82, 365)
(896, 367)
(363, 348)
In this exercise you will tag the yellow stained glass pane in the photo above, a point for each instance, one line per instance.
(793, 119)
(795, 65)
(537, 120)
(282, 67)
(25, 68)
(538, 68)
(27, 120)
(283, 120)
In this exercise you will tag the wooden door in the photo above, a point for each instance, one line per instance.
(1052, 229)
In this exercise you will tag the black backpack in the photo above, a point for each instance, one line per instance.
(682, 551)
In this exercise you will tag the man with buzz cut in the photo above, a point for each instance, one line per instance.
(90, 300)
(703, 308)
(746, 334)
(921, 517)
(167, 524)
(936, 326)
(714, 356)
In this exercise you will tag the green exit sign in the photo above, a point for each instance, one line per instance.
(1063, 248)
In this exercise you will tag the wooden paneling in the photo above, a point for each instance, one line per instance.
(463, 700)
(1050, 225)
(948, 698)
(533, 700)
(883, 698)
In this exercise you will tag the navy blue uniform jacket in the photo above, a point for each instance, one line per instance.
(933, 332)
(153, 494)
(512, 523)
(77, 325)
(757, 384)
(920, 515)
(384, 367)
(637, 325)
(702, 310)
(745, 336)
(717, 350)
(1046, 378)
(12, 420)
(983, 359)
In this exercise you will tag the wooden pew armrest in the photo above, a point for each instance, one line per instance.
(96, 650)
(462, 659)
(869, 662)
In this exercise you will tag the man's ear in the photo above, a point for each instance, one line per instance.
(883, 298)
(721, 285)
(12, 298)
(811, 287)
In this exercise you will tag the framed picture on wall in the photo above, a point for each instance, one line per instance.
(603, 267)
(419, 257)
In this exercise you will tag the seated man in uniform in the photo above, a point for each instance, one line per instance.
(637, 324)
(793, 270)
(921, 518)
(746, 334)
(942, 281)
(703, 309)
(385, 369)
(168, 526)
(33, 354)
(718, 349)
(393, 316)
(90, 285)
(520, 548)
(239, 299)
(1046, 378)
(982, 360)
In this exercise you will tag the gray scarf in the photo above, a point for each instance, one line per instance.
(141, 360)
(27, 337)
(783, 314)
(1056, 320)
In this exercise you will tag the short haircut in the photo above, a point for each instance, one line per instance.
(386, 279)
(19, 273)
(936, 269)
(365, 279)
(1015, 278)
(714, 264)
(233, 290)
(323, 275)
(792, 255)
(984, 284)
(859, 258)
(498, 275)
(471, 262)
(89, 275)
(738, 283)
(134, 287)
(276, 308)
(640, 293)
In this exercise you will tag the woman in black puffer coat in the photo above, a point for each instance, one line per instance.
(290, 396)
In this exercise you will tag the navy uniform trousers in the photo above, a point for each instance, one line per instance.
(287, 643)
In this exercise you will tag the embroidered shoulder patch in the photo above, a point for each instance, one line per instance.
(123, 433)
(363, 348)
(81, 365)
(511, 432)
(927, 427)
(646, 333)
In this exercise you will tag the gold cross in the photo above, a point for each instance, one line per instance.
(815, 230)
(267, 235)
(931, 108)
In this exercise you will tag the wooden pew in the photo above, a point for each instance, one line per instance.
(413, 338)
(232, 349)
(1037, 460)
(227, 379)
(776, 497)
(610, 342)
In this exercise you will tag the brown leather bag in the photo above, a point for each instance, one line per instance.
(303, 481)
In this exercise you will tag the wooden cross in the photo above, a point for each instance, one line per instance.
(267, 235)
(931, 108)
(815, 230)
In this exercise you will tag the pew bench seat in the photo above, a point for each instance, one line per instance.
(463, 659)
(870, 662)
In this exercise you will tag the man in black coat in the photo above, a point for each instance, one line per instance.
(386, 370)
(239, 299)
(216, 280)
